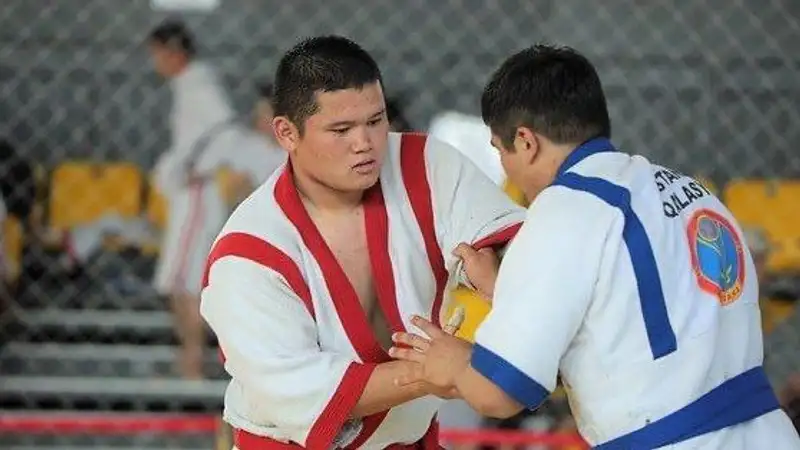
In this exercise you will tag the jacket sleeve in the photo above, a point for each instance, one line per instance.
(283, 384)
(543, 290)
(468, 206)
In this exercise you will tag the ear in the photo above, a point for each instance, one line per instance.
(526, 142)
(286, 133)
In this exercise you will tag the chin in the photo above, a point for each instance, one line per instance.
(366, 182)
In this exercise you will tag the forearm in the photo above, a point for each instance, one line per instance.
(484, 396)
(381, 393)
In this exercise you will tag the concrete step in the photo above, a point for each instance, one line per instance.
(97, 326)
(106, 296)
(96, 360)
(138, 394)
(91, 319)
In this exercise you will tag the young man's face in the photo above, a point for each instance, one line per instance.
(512, 162)
(344, 143)
(523, 163)
(166, 61)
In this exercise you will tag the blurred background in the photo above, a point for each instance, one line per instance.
(710, 88)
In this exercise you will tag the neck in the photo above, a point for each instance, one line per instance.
(560, 153)
(180, 70)
(549, 161)
(319, 197)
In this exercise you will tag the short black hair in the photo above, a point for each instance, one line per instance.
(319, 64)
(175, 35)
(554, 91)
(265, 90)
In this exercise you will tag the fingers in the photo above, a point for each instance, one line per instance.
(486, 251)
(430, 329)
(464, 251)
(407, 354)
(455, 320)
(412, 340)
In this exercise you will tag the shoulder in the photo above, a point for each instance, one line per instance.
(562, 227)
(259, 220)
(258, 244)
(200, 80)
(439, 151)
(260, 212)
(421, 150)
(201, 72)
(564, 210)
(415, 143)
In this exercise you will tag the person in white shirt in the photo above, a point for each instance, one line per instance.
(630, 281)
(313, 272)
(259, 154)
(204, 133)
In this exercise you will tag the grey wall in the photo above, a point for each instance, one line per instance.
(711, 87)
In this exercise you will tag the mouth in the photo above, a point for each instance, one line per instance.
(365, 166)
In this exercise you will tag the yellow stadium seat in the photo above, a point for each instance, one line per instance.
(786, 216)
(82, 192)
(748, 200)
(156, 207)
(476, 307)
(13, 241)
(771, 206)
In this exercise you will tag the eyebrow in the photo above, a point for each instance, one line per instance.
(351, 123)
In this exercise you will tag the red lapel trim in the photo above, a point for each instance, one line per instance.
(345, 299)
(415, 179)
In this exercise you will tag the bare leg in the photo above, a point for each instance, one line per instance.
(224, 439)
(191, 334)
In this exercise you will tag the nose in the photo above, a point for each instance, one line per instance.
(362, 141)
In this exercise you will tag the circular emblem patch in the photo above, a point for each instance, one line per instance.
(717, 255)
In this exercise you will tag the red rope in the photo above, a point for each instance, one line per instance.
(106, 424)
(490, 436)
(131, 424)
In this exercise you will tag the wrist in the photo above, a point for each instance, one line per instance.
(420, 389)
(488, 290)
(460, 380)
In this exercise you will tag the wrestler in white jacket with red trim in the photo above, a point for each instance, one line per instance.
(320, 265)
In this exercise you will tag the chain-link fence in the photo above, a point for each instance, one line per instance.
(709, 88)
